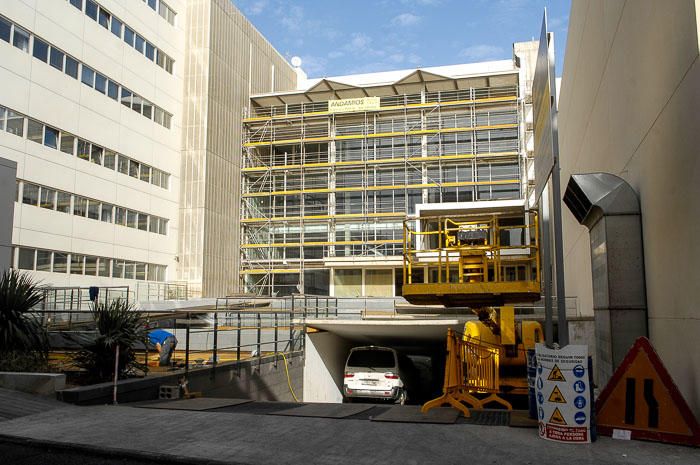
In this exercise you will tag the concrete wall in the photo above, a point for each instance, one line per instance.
(43, 384)
(629, 106)
(324, 367)
(8, 173)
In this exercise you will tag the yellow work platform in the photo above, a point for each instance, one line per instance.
(476, 294)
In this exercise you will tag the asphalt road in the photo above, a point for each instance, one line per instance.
(20, 454)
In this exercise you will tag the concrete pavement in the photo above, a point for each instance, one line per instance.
(229, 437)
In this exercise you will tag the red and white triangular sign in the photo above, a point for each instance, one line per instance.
(641, 397)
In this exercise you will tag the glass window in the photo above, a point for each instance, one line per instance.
(150, 51)
(160, 58)
(164, 180)
(83, 149)
(15, 123)
(134, 169)
(63, 202)
(136, 103)
(20, 39)
(139, 43)
(103, 267)
(100, 83)
(60, 262)
(76, 261)
(143, 222)
(43, 260)
(51, 137)
(145, 174)
(141, 271)
(93, 211)
(80, 206)
(47, 198)
(152, 272)
(26, 259)
(113, 90)
(147, 109)
(166, 119)
(106, 213)
(35, 131)
(2, 118)
(131, 218)
(117, 268)
(30, 194)
(163, 227)
(123, 165)
(77, 3)
(91, 266)
(88, 76)
(56, 59)
(154, 224)
(71, 67)
(109, 159)
(116, 27)
(169, 65)
(91, 9)
(155, 176)
(5, 30)
(128, 35)
(67, 143)
(41, 49)
(152, 3)
(104, 18)
(126, 97)
(129, 270)
(96, 154)
(120, 216)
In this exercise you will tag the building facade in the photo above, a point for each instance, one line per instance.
(120, 117)
(330, 172)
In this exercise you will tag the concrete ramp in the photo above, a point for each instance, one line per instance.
(324, 410)
(15, 404)
(196, 404)
(412, 414)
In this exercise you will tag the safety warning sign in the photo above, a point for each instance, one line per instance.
(563, 393)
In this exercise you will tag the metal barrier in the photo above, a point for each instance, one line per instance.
(150, 291)
(471, 368)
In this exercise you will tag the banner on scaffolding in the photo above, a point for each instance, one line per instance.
(563, 390)
(348, 105)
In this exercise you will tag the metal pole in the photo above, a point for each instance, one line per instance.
(259, 322)
(116, 374)
(187, 346)
(546, 256)
(276, 337)
(562, 323)
(238, 344)
(216, 327)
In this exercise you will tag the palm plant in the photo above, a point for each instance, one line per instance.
(118, 326)
(23, 340)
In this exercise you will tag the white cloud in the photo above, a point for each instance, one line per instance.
(256, 7)
(482, 52)
(558, 22)
(335, 54)
(405, 19)
(420, 2)
(313, 65)
(292, 18)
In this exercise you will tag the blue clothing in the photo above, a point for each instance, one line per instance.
(158, 336)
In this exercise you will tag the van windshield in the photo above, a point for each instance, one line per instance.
(372, 358)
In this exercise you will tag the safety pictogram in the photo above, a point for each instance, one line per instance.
(557, 418)
(557, 396)
(556, 375)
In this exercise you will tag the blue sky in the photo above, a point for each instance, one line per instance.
(336, 37)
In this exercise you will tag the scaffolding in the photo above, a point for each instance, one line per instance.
(320, 186)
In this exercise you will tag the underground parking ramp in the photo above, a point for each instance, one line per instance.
(325, 410)
(412, 414)
(196, 404)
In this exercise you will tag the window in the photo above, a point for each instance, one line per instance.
(116, 27)
(152, 4)
(91, 266)
(43, 260)
(83, 149)
(113, 90)
(2, 118)
(63, 202)
(93, 211)
(134, 169)
(60, 262)
(169, 66)
(147, 109)
(160, 58)
(48, 198)
(163, 227)
(120, 216)
(117, 268)
(104, 18)
(26, 259)
(80, 206)
(77, 3)
(139, 43)
(76, 261)
(56, 59)
(166, 119)
(71, 67)
(96, 154)
(103, 267)
(35, 131)
(123, 166)
(155, 177)
(131, 218)
(159, 116)
(106, 213)
(129, 270)
(166, 13)
(51, 137)
(109, 159)
(141, 271)
(5, 30)
(126, 97)
(67, 143)
(41, 49)
(91, 9)
(150, 51)
(145, 174)
(143, 222)
(153, 226)
(136, 103)
(15, 123)
(100, 83)
(129, 35)
(88, 76)
(20, 39)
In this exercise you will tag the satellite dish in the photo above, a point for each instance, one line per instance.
(296, 61)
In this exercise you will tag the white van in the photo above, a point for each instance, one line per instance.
(373, 372)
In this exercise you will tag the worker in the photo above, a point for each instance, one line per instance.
(165, 343)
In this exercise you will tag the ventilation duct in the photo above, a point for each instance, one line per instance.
(609, 208)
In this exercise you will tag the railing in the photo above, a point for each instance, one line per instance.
(150, 291)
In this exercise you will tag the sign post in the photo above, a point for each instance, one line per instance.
(563, 391)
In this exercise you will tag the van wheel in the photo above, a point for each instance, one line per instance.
(403, 397)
